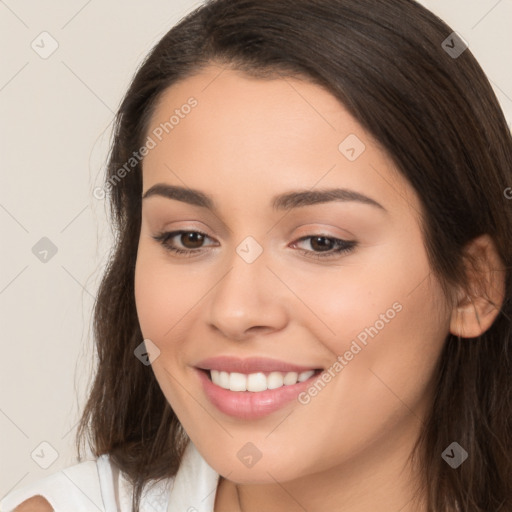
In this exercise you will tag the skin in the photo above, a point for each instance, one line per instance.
(34, 504)
(246, 141)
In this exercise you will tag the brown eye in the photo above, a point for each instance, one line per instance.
(192, 239)
(323, 246)
(186, 243)
(321, 243)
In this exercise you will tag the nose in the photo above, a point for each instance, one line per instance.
(248, 300)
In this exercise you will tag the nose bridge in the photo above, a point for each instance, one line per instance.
(243, 287)
(245, 297)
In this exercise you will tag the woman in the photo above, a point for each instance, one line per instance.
(308, 305)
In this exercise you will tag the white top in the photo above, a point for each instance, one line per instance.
(99, 486)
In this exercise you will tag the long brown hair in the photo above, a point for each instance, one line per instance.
(435, 114)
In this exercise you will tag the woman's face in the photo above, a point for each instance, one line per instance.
(280, 270)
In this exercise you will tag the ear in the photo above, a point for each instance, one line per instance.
(477, 307)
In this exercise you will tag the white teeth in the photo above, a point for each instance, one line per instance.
(305, 375)
(275, 380)
(237, 382)
(224, 380)
(290, 378)
(257, 381)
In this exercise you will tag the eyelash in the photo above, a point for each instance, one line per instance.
(343, 246)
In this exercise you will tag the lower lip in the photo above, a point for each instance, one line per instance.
(250, 405)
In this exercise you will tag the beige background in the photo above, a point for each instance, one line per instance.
(56, 113)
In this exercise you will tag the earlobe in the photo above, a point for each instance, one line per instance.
(477, 308)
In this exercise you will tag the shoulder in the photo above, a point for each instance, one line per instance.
(72, 488)
(96, 485)
(34, 504)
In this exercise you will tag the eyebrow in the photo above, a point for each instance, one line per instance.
(285, 201)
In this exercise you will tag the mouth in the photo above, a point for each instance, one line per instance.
(249, 389)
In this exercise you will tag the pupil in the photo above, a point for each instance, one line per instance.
(321, 246)
(189, 237)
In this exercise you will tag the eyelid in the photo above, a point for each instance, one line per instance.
(327, 230)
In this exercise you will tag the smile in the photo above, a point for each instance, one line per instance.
(252, 388)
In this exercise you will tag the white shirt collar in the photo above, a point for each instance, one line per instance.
(195, 484)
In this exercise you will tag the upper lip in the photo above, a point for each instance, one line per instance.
(250, 365)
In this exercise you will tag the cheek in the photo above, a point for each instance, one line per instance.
(384, 377)
(386, 317)
(163, 296)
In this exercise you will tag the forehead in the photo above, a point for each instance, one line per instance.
(247, 111)
(264, 136)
